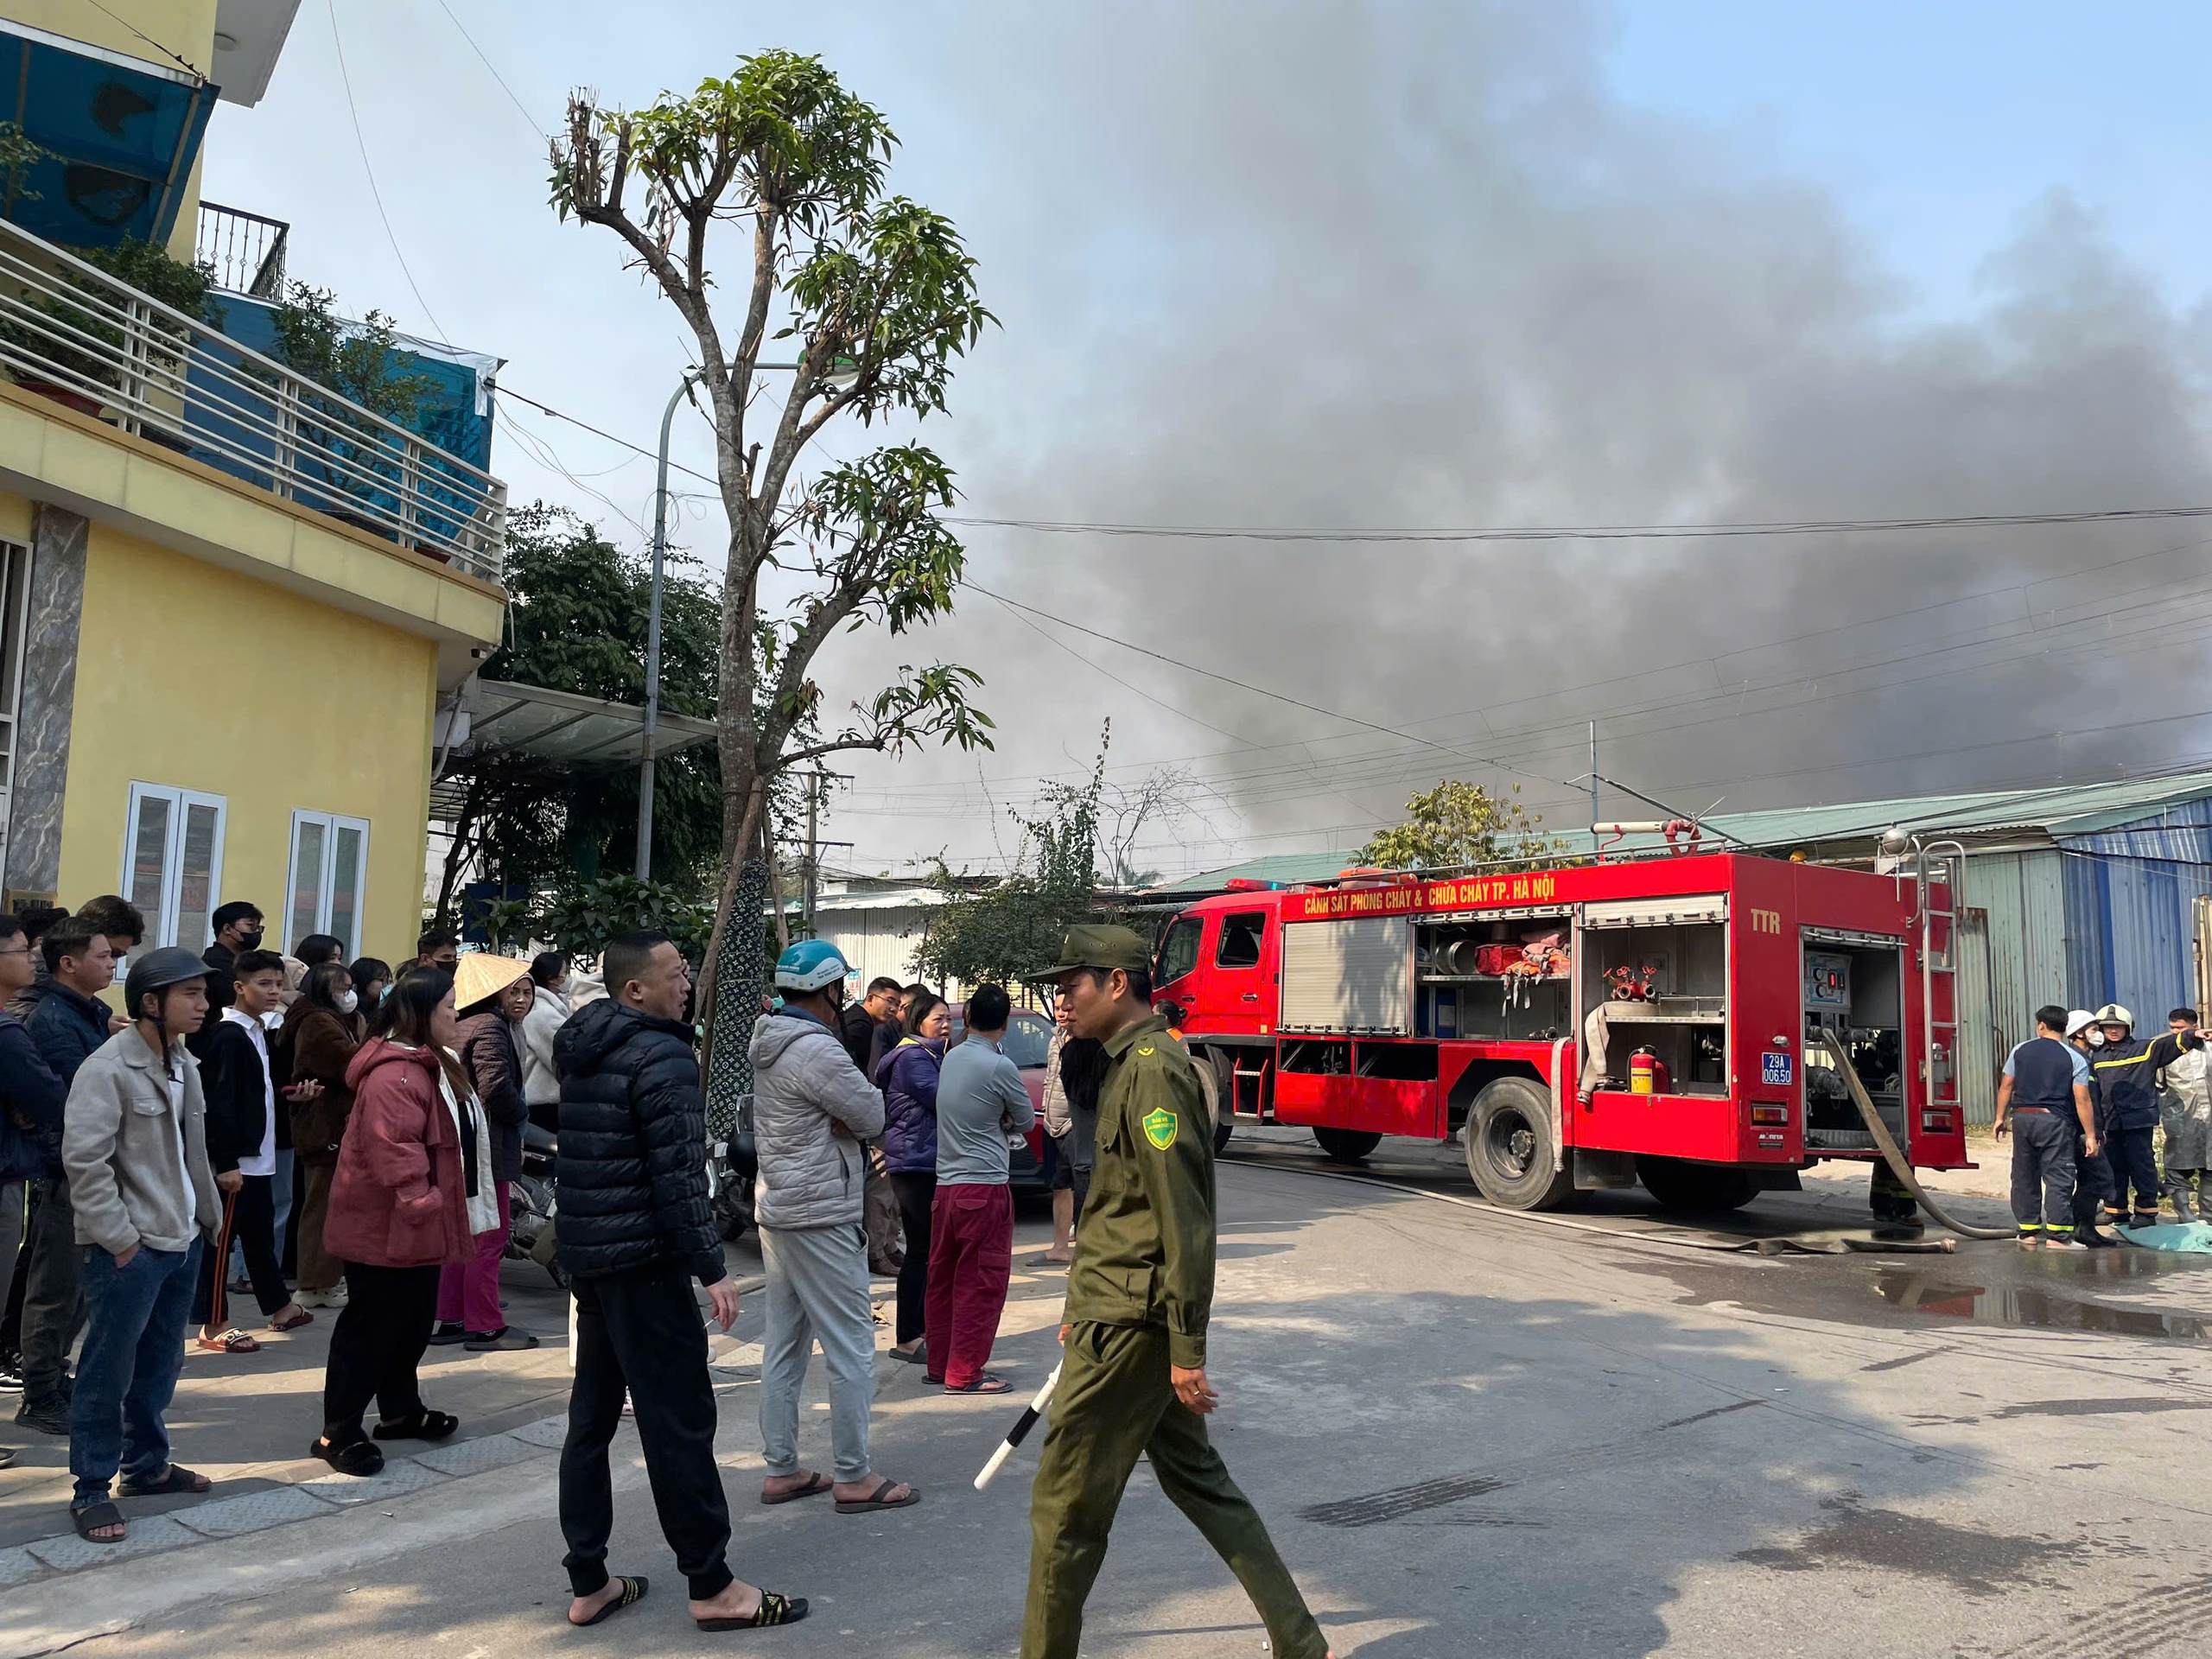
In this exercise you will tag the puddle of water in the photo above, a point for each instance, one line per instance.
(1941, 1295)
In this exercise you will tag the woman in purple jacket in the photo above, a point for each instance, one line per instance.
(907, 1076)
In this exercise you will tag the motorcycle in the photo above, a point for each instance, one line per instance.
(731, 1165)
(531, 1235)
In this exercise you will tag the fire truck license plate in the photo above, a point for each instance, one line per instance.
(1774, 1069)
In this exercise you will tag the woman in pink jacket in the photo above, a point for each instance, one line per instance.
(413, 1158)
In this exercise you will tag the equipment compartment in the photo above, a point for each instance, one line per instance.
(1660, 970)
(1509, 979)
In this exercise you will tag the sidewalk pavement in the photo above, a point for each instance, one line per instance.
(246, 1421)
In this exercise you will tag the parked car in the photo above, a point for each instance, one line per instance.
(1028, 1036)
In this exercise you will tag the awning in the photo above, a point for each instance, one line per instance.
(116, 135)
(498, 716)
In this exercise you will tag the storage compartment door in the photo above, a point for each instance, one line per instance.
(1655, 913)
(1356, 975)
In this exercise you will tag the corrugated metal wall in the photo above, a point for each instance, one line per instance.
(2022, 946)
(2131, 894)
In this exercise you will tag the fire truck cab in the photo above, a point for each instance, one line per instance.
(1662, 1020)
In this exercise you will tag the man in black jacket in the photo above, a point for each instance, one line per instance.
(635, 1229)
(67, 1026)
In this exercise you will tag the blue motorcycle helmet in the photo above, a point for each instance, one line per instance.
(809, 965)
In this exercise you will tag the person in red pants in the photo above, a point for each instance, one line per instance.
(980, 1100)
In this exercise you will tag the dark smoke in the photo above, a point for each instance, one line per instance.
(1416, 264)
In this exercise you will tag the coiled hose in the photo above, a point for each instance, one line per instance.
(1890, 1155)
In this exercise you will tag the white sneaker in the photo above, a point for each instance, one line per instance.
(333, 1297)
(2064, 1244)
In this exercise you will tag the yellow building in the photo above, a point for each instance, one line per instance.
(231, 600)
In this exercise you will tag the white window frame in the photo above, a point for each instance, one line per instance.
(162, 923)
(331, 823)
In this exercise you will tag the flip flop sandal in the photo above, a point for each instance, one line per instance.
(424, 1424)
(177, 1480)
(356, 1457)
(305, 1318)
(634, 1591)
(916, 1355)
(230, 1341)
(817, 1482)
(773, 1609)
(7, 1457)
(95, 1517)
(984, 1384)
(875, 1500)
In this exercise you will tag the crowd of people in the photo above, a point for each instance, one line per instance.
(294, 1128)
(2088, 1104)
(323, 1135)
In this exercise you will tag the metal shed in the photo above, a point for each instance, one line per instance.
(2078, 895)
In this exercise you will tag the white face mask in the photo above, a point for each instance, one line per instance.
(347, 1001)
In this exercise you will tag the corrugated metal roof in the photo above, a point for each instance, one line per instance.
(2069, 810)
(1283, 869)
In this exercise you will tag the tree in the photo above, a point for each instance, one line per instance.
(877, 296)
(998, 933)
(1458, 823)
(577, 622)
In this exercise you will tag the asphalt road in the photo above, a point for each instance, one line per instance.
(1469, 1433)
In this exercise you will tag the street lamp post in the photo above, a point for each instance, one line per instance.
(841, 374)
(652, 637)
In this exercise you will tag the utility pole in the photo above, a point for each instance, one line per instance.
(814, 781)
(1593, 786)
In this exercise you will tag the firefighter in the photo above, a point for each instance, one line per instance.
(1133, 1372)
(2092, 1172)
(2126, 1071)
(2185, 1119)
(1889, 1198)
(2043, 1103)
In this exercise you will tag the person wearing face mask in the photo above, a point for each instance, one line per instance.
(2091, 1170)
(323, 1031)
(371, 978)
(237, 929)
(549, 1012)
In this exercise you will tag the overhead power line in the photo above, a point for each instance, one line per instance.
(376, 195)
(519, 106)
(1585, 532)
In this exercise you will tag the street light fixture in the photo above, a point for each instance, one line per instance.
(841, 374)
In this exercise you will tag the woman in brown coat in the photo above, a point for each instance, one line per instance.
(413, 1157)
(323, 1031)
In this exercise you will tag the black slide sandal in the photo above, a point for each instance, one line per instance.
(773, 1609)
(177, 1479)
(634, 1591)
(92, 1517)
(424, 1424)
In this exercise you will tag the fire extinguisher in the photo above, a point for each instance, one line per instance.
(1647, 1073)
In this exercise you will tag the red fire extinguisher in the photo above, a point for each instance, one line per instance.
(1647, 1073)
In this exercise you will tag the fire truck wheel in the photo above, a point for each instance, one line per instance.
(1347, 1146)
(1682, 1186)
(1213, 1084)
(1510, 1153)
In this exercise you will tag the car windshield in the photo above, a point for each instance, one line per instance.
(1028, 1036)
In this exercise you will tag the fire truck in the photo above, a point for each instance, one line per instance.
(1665, 1020)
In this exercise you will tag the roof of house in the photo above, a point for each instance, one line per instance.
(1279, 869)
(2079, 809)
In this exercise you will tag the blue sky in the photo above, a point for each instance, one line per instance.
(1937, 125)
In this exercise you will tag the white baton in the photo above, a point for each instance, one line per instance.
(1020, 1431)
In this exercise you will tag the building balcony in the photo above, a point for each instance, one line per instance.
(71, 333)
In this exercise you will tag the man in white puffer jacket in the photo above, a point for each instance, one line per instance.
(811, 1109)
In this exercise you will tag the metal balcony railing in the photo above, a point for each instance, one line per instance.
(246, 250)
(74, 333)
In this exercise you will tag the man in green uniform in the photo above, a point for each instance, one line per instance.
(1133, 1377)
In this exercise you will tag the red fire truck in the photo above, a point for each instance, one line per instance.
(1662, 1019)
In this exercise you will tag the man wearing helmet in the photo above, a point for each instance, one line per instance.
(811, 1111)
(2127, 1072)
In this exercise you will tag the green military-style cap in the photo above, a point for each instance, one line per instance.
(1103, 947)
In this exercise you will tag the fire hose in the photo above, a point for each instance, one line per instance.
(1896, 1160)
